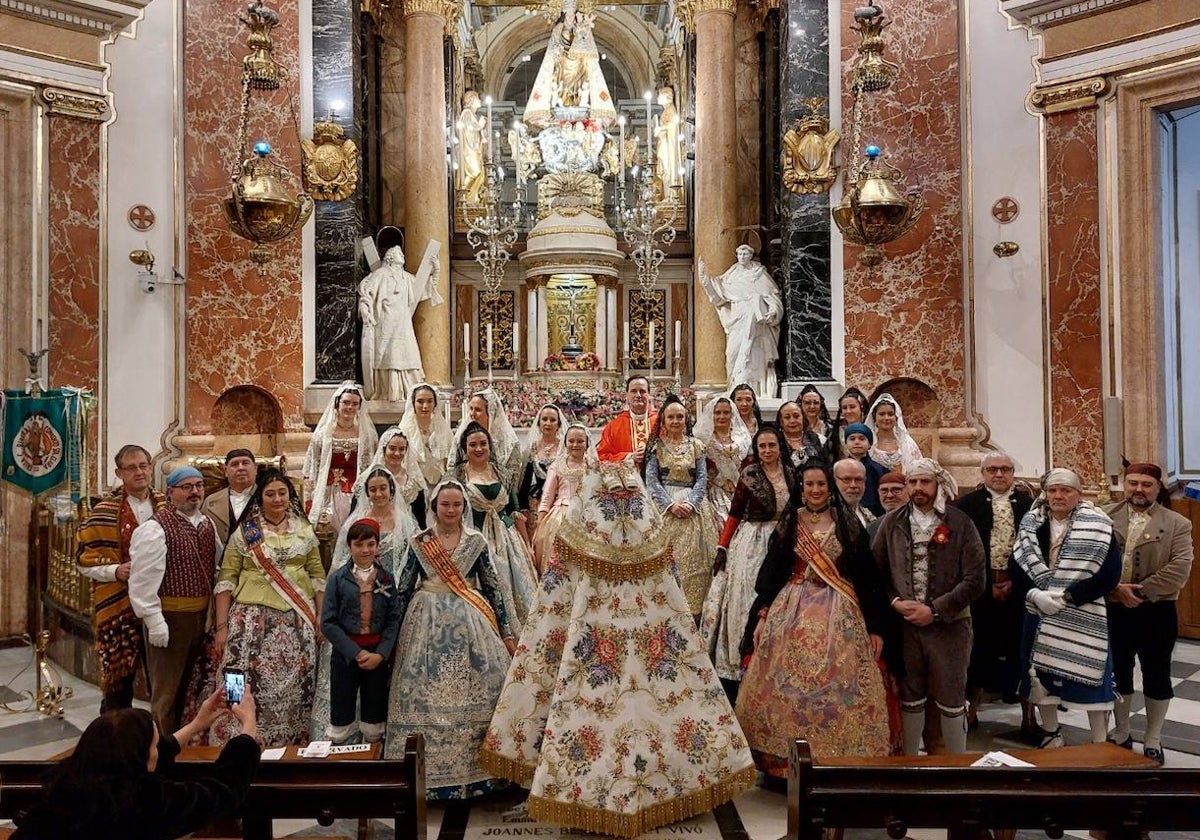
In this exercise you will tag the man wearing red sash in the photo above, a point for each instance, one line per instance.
(628, 432)
(174, 557)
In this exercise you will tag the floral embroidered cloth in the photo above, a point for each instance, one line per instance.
(612, 713)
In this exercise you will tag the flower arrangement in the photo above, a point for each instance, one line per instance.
(941, 535)
(558, 361)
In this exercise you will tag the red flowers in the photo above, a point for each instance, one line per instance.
(941, 535)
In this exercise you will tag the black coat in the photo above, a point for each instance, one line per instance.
(152, 807)
(978, 505)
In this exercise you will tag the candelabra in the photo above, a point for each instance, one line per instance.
(494, 232)
(647, 226)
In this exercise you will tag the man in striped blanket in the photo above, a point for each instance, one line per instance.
(1066, 560)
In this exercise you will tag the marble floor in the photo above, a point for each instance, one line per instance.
(756, 815)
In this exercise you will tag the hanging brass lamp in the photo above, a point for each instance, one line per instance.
(260, 206)
(873, 211)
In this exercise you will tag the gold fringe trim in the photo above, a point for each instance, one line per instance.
(659, 814)
(615, 570)
(503, 767)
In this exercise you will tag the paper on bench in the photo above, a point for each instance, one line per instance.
(1000, 759)
(273, 754)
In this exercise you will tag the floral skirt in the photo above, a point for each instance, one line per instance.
(449, 670)
(611, 713)
(727, 607)
(277, 651)
(813, 676)
(514, 568)
(543, 537)
(694, 545)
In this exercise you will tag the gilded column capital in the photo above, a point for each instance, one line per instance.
(448, 10)
(72, 103)
(688, 11)
(1068, 96)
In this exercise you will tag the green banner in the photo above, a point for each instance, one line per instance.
(37, 443)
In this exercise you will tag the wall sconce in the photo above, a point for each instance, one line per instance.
(148, 278)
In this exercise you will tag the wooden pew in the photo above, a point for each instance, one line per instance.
(328, 789)
(1088, 787)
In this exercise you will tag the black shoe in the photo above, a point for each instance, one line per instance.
(1155, 754)
(1127, 744)
(1053, 740)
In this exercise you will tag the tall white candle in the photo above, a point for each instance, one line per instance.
(489, 344)
(516, 346)
(517, 158)
(651, 345)
(678, 333)
(488, 102)
(649, 127)
(467, 339)
(621, 180)
(626, 355)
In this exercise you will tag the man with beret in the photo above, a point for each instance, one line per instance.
(1142, 619)
(932, 561)
(859, 440)
(996, 617)
(174, 556)
(1065, 561)
(224, 507)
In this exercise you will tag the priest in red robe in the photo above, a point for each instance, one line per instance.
(629, 432)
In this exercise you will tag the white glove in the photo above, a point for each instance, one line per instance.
(1046, 603)
(157, 632)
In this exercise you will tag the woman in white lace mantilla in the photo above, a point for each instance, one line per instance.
(342, 446)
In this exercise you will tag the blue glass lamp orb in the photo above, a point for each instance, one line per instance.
(262, 148)
(872, 151)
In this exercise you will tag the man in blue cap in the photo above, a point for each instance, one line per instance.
(174, 557)
(859, 440)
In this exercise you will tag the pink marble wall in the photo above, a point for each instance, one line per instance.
(905, 317)
(74, 220)
(1073, 273)
(241, 328)
(245, 410)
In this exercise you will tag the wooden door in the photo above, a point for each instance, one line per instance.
(1189, 598)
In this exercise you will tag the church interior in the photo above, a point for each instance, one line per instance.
(986, 208)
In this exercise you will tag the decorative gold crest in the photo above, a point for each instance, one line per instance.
(571, 193)
(808, 151)
(330, 163)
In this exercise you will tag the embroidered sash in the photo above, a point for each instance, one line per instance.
(449, 573)
(281, 583)
(822, 565)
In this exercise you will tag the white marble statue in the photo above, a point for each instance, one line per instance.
(569, 79)
(469, 175)
(666, 142)
(750, 309)
(387, 298)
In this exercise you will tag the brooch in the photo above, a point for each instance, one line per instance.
(941, 535)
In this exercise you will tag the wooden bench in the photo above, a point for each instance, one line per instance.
(352, 786)
(1096, 786)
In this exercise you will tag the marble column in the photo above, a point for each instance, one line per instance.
(715, 177)
(807, 292)
(428, 215)
(337, 77)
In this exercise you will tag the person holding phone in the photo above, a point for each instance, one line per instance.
(361, 619)
(117, 783)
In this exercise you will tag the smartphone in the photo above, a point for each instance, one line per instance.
(235, 685)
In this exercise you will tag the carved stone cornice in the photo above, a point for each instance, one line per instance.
(99, 17)
(448, 10)
(1038, 14)
(688, 11)
(72, 103)
(1068, 96)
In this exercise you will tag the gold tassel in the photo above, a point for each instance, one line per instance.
(503, 767)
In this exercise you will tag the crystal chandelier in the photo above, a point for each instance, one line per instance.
(875, 209)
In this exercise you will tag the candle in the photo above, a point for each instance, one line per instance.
(649, 126)
(678, 333)
(517, 156)
(467, 339)
(488, 102)
(626, 356)
(651, 345)
(516, 346)
(489, 344)
(621, 177)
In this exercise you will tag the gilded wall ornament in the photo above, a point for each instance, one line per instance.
(571, 193)
(330, 163)
(808, 151)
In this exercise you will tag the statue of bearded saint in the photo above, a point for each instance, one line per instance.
(387, 298)
(750, 309)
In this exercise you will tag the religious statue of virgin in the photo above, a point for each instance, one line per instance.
(569, 86)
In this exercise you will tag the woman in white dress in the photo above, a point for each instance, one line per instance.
(378, 498)
(342, 446)
(894, 446)
(454, 647)
(562, 481)
(428, 432)
(611, 713)
(495, 513)
(726, 443)
(398, 458)
(747, 406)
(763, 492)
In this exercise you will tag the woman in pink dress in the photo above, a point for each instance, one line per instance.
(562, 480)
